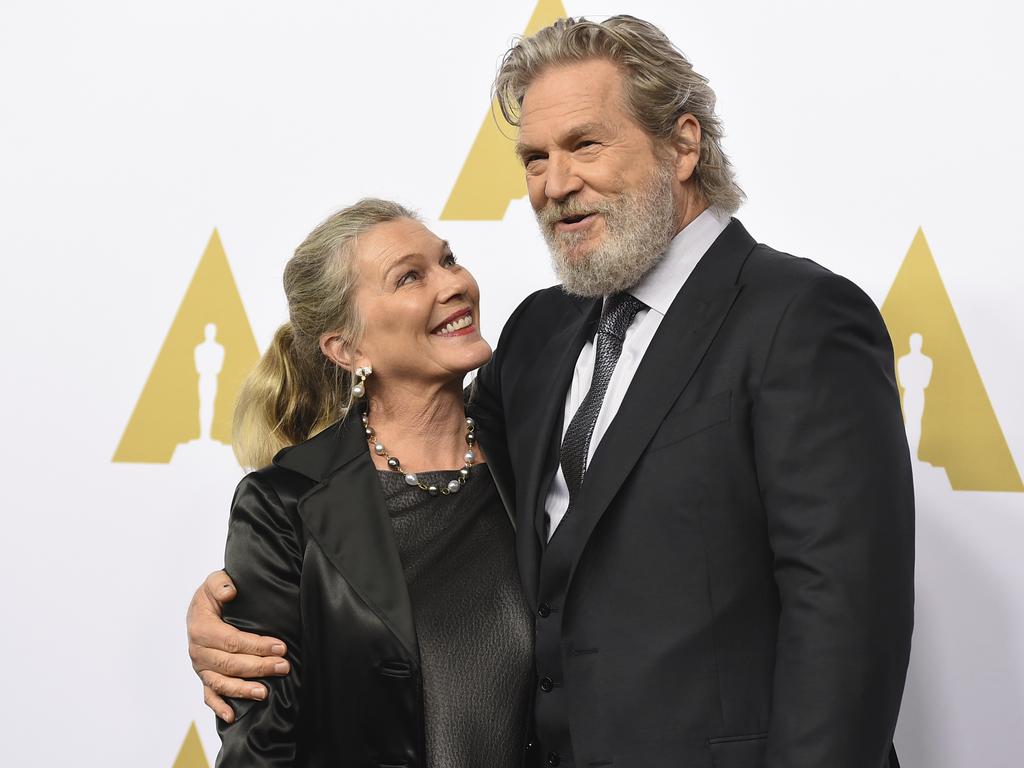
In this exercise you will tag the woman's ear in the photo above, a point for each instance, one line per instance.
(337, 349)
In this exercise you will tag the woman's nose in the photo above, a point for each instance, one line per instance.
(456, 283)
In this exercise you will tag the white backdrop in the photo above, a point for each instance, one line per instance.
(129, 131)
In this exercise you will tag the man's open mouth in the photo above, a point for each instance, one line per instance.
(573, 222)
(576, 219)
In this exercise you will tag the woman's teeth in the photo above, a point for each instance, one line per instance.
(462, 322)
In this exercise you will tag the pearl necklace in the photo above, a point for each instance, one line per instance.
(453, 486)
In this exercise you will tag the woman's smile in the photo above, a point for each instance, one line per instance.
(458, 323)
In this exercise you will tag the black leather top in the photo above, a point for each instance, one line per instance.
(473, 626)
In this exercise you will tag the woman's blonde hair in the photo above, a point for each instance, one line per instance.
(660, 85)
(295, 391)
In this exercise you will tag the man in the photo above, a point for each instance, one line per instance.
(713, 493)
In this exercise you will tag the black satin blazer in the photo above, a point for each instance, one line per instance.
(311, 550)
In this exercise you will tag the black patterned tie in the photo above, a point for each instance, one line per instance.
(619, 311)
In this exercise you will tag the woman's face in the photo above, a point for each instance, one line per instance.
(420, 309)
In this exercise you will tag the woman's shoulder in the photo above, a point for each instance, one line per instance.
(276, 478)
(299, 468)
(316, 458)
(272, 489)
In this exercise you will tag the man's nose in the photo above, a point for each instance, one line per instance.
(561, 179)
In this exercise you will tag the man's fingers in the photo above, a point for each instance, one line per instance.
(235, 641)
(233, 687)
(219, 588)
(212, 633)
(206, 659)
(218, 705)
(207, 630)
(222, 655)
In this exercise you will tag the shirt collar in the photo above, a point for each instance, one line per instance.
(659, 287)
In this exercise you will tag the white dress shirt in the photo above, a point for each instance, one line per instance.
(657, 290)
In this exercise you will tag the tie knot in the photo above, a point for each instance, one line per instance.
(619, 311)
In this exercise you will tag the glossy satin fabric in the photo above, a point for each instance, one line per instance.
(312, 552)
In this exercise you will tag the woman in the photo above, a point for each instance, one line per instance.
(392, 580)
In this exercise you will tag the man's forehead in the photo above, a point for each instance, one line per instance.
(591, 82)
(566, 98)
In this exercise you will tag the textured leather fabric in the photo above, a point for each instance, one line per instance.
(619, 311)
(473, 626)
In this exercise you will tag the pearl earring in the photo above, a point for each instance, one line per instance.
(359, 390)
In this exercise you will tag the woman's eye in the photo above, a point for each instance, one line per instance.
(408, 277)
(450, 259)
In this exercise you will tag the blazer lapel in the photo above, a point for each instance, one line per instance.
(345, 514)
(668, 365)
(537, 419)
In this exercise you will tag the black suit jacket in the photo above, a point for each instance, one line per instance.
(311, 550)
(734, 587)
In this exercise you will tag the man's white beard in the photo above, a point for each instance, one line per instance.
(638, 228)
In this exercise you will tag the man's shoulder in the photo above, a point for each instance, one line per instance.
(769, 269)
(774, 282)
(548, 308)
(551, 301)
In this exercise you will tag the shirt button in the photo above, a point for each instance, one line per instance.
(544, 610)
(554, 758)
(546, 684)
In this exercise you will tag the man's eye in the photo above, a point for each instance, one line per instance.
(408, 277)
(585, 143)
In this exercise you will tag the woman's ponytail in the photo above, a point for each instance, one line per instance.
(282, 402)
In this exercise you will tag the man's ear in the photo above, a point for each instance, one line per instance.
(686, 144)
(339, 351)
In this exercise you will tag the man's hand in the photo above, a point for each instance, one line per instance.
(222, 655)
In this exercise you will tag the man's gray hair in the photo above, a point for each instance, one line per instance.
(660, 85)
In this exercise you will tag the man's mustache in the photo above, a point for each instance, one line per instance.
(554, 212)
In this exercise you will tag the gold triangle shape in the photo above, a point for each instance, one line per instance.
(492, 176)
(167, 412)
(959, 429)
(191, 754)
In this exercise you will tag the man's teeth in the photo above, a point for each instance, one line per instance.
(462, 322)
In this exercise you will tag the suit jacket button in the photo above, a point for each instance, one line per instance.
(554, 758)
(544, 610)
(546, 684)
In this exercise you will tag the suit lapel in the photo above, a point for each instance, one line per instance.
(345, 514)
(684, 336)
(538, 418)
